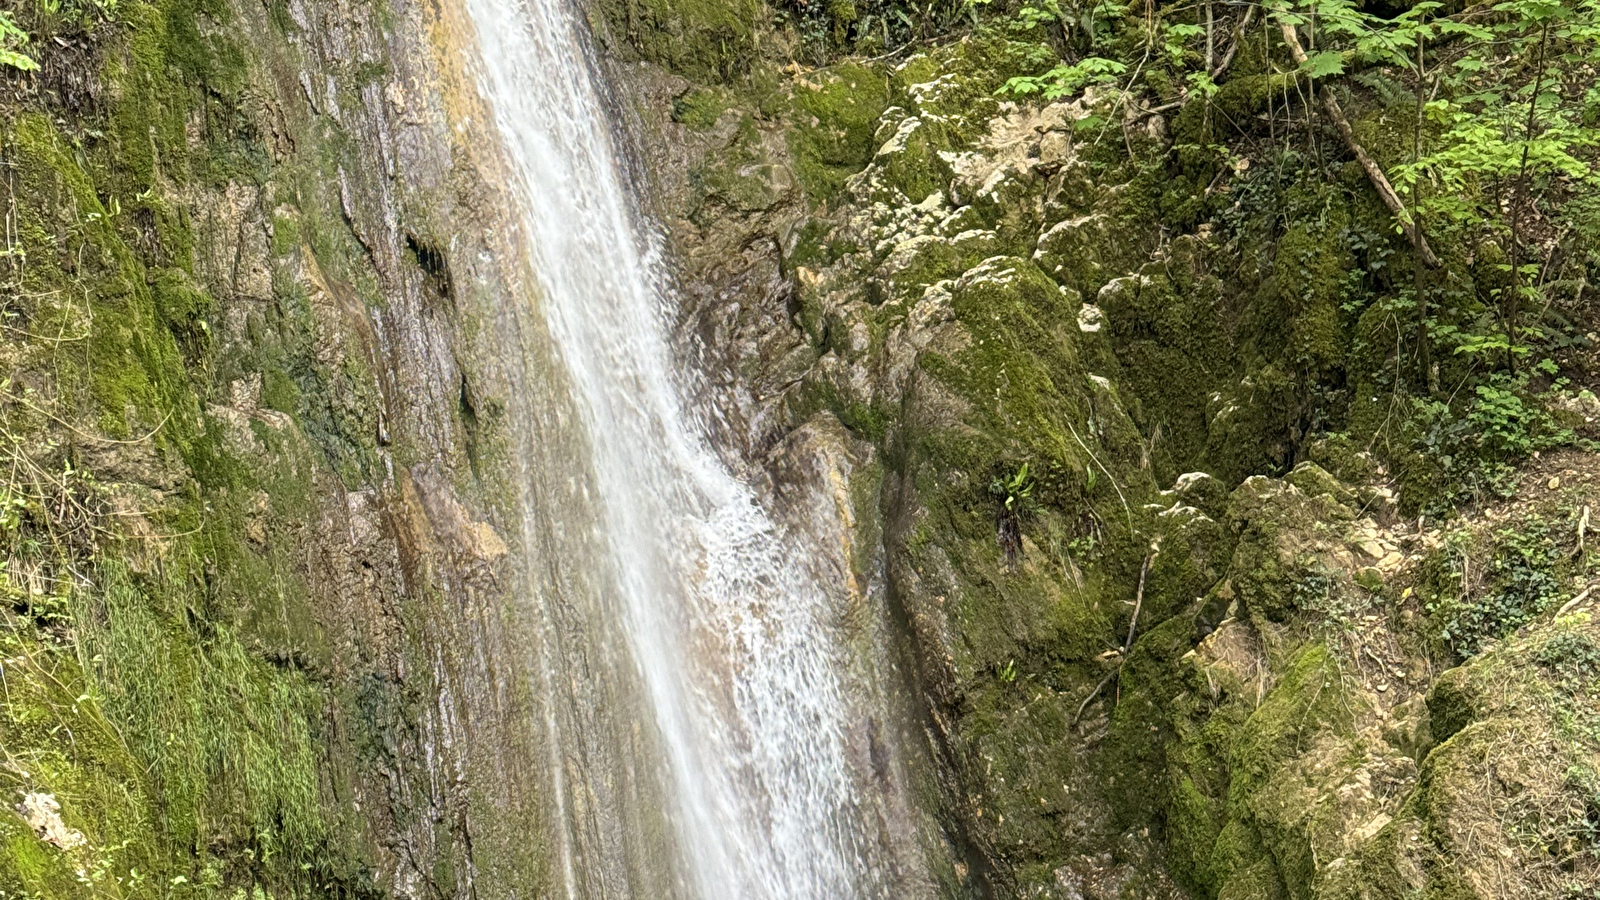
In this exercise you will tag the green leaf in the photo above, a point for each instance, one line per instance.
(17, 60)
(1323, 64)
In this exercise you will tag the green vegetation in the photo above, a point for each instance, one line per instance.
(160, 657)
(1226, 239)
(1433, 332)
(12, 41)
(1046, 259)
(1522, 580)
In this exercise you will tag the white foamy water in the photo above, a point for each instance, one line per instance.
(724, 628)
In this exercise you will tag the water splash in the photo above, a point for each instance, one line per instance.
(723, 624)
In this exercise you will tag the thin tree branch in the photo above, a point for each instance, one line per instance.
(1518, 199)
(1233, 47)
(1093, 694)
(1138, 599)
(1375, 174)
(1140, 115)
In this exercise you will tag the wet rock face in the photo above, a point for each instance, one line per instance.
(1221, 689)
(989, 430)
(295, 418)
(385, 243)
(378, 221)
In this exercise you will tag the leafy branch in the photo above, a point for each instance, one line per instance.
(1065, 80)
(1380, 182)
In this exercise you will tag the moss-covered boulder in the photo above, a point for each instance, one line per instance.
(708, 41)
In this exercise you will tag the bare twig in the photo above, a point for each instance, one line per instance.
(1512, 305)
(1093, 694)
(1139, 115)
(1233, 47)
(1138, 603)
(84, 434)
(1125, 507)
(1572, 604)
(1583, 528)
(1138, 598)
(1211, 36)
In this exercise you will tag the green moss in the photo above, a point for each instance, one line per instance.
(1172, 354)
(1026, 620)
(176, 662)
(918, 263)
(184, 309)
(226, 736)
(700, 108)
(1278, 527)
(706, 41)
(836, 114)
(1141, 726)
(1022, 395)
(1219, 754)
(743, 178)
(954, 86)
(60, 742)
(286, 237)
(1021, 368)
(1298, 319)
(1240, 99)
(910, 162)
(1257, 882)
(1231, 808)
(132, 370)
(1309, 695)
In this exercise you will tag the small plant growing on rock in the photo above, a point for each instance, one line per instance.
(1521, 582)
(1015, 493)
(1575, 658)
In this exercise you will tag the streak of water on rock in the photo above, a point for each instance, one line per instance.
(724, 626)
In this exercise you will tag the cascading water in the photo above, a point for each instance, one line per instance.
(725, 629)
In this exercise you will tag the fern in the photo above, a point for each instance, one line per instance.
(12, 39)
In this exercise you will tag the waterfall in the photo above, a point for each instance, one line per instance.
(739, 678)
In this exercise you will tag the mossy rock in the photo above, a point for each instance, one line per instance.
(1069, 252)
(1245, 435)
(908, 166)
(1204, 492)
(1239, 99)
(1000, 385)
(751, 174)
(1282, 536)
(1315, 481)
(706, 41)
(1172, 353)
(1149, 683)
(836, 114)
(1193, 553)
(178, 720)
(701, 108)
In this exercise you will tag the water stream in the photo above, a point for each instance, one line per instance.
(740, 726)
